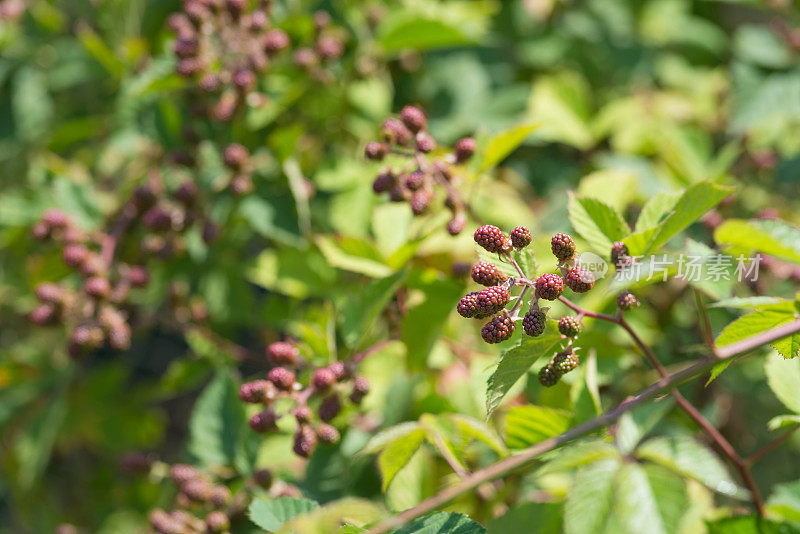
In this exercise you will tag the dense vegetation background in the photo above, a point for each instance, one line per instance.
(610, 120)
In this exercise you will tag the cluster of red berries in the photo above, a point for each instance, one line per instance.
(223, 45)
(95, 311)
(324, 391)
(622, 260)
(417, 181)
(327, 46)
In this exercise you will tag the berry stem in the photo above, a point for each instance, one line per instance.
(769, 447)
(514, 314)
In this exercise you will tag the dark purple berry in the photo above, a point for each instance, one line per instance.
(499, 329)
(487, 274)
(579, 279)
(235, 156)
(564, 362)
(305, 441)
(563, 247)
(376, 151)
(570, 326)
(330, 408)
(425, 142)
(468, 305)
(464, 149)
(548, 377)
(263, 421)
(534, 322)
(492, 239)
(619, 250)
(492, 299)
(549, 286)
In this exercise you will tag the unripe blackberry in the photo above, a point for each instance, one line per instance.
(395, 131)
(619, 250)
(186, 192)
(340, 370)
(244, 79)
(183, 473)
(492, 299)
(235, 156)
(144, 198)
(563, 247)
(275, 41)
(263, 421)
(548, 377)
(384, 182)
(119, 336)
(40, 231)
(468, 305)
(97, 287)
(303, 414)
(564, 362)
(220, 496)
(464, 149)
(457, 224)
(487, 274)
(49, 293)
(210, 232)
(328, 434)
(579, 279)
(197, 489)
(137, 276)
(282, 353)
(420, 202)
(534, 322)
(241, 185)
(74, 255)
(43, 314)
(93, 265)
(282, 378)
(217, 521)
(521, 237)
(627, 301)
(414, 118)
(163, 523)
(414, 180)
(304, 57)
(376, 151)
(425, 142)
(329, 408)
(188, 67)
(157, 219)
(570, 326)
(253, 392)
(549, 286)
(492, 239)
(263, 477)
(305, 441)
(360, 389)
(329, 47)
(399, 193)
(499, 329)
(56, 219)
(209, 83)
(185, 47)
(323, 379)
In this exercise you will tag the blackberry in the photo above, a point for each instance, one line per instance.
(97, 287)
(183, 473)
(43, 314)
(487, 274)
(579, 279)
(157, 219)
(549, 286)
(533, 323)
(548, 377)
(235, 156)
(220, 496)
(281, 378)
(74, 255)
(456, 225)
(376, 151)
(263, 421)
(464, 149)
(197, 490)
(57, 219)
(564, 362)
(499, 329)
(420, 202)
(244, 79)
(414, 180)
(570, 326)
(328, 434)
(303, 414)
(329, 408)
(384, 182)
(186, 192)
(360, 389)
(340, 370)
(398, 194)
(49, 293)
(491, 300)
(305, 441)
(395, 131)
(263, 477)
(304, 57)
(425, 142)
(282, 353)
(492, 239)
(253, 392)
(323, 379)
(329, 48)
(137, 276)
(627, 301)
(275, 41)
(217, 521)
(618, 251)
(414, 118)
(521, 237)
(563, 247)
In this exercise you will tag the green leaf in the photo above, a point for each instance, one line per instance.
(764, 318)
(360, 310)
(773, 237)
(655, 209)
(479, 431)
(781, 421)
(34, 445)
(585, 394)
(636, 508)
(504, 143)
(687, 457)
(597, 222)
(750, 524)
(590, 497)
(538, 518)
(634, 425)
(783, 377)
(694, 202)
(422, 34)
(396, 445)
(743, 303)
(350, 255)
(423, 323)
(516, 361)
(578, 455)
(330, 517)
(561, 103)
(442, 523)
(670, 495)
(785, 501)
(218, 424)
(271, 514)
(527, 425)
(717, 370)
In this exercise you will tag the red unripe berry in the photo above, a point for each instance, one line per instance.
(74, 255)
(492, 299)
(549, 286)
(263, 421)
(328, 434)
(487, 274)
(235, 156)
(330, 408)
(468, 305)
(627, 301)
(281, 378)
(521, 237)
(303, 414)
(305, 441)
(275, 41)
(464, 149)
(563, 247)
(492, 239)
(376, 151)
(570, 326)
(499, 329)
(283, 353)
(49, 293)
(414, 118)
(253, 392)
(579, 279)
(323, 379)
(97, 287)
(425, 142)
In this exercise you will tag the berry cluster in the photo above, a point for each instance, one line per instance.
(563, 362)
(417, 180)
(327, 46)
(324, 391)
(621, 259)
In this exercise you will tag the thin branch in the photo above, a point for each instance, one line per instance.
(769, 447)
(708, 335)
(516, 461)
